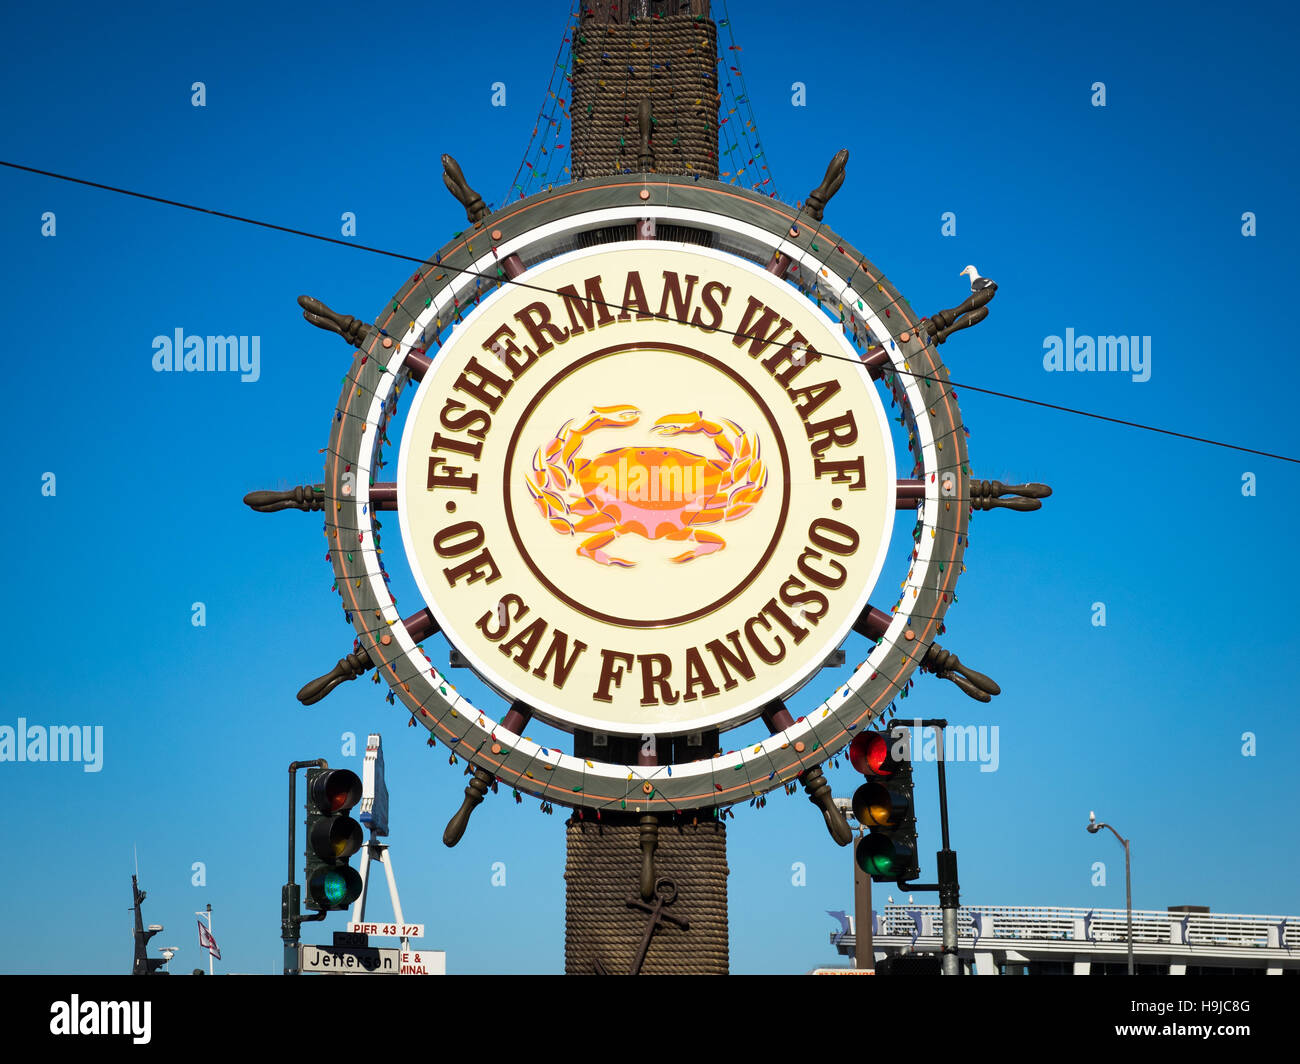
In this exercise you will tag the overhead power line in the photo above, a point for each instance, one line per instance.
(538, 288)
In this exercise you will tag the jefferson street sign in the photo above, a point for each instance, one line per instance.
(349, 961)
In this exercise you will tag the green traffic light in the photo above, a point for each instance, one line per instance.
(884, 805)
(878, 856)
(332, 838)
(334, 888)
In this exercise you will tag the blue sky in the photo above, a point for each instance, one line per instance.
(1125, 219)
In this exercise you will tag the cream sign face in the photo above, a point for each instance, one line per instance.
(635, 494)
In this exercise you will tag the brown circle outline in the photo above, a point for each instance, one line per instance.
(623, 622)
(426, 695)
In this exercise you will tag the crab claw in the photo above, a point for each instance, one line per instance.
(609, 417)
(675, 424)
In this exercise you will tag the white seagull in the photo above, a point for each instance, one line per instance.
(977, 283)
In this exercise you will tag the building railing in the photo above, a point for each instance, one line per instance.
(1046, 923)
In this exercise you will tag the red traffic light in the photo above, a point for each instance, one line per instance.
(884, 805)
(335, 790)
(332, 838)
(871, 755)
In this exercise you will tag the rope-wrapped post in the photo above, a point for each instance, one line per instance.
(664, 53)
(603, 933)
(645, 97)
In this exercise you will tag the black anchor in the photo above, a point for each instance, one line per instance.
(665, 894)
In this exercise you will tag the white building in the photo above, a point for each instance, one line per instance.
(1031, 940)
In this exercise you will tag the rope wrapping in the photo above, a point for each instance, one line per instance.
(671, 60)
(624, 52)
(602, 872)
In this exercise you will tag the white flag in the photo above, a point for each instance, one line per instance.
(207, 942)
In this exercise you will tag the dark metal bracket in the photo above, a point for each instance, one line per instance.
(972, 311)
(778, 719)
(515, 721)
(649, 825)
(419, 626)
(475, 209)
(306, 497)
(645, 159)
(987, 495)
(947, 666)
(353, 330)
(821, 195)
(873, 624)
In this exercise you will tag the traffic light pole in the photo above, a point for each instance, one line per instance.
(949, 891)
(291, 894)
(864, 950)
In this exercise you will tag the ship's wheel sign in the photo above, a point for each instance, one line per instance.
(646, 487)
(640, 505)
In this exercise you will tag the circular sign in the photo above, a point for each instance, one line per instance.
(648, 491)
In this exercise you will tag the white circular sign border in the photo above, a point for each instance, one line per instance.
(481, 728)
(566, 718)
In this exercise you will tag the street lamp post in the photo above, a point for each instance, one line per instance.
(1094, 827)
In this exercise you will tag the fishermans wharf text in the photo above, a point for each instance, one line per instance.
(470, 412)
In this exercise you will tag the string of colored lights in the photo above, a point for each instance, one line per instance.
(756, 152)
(537, 177)
(740, 145)
(752, 155)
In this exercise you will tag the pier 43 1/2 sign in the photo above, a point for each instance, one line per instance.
(638, 496)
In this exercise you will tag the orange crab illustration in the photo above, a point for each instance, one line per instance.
(654, 492)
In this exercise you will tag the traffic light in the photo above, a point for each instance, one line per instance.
(332, 838)
(887, 853)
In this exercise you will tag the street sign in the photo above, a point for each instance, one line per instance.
(388, 930)
(342, 961)
(351, 940)
(424, 962)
